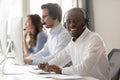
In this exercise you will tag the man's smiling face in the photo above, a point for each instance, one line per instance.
(75, 23)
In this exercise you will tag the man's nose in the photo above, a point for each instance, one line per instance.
(72, 24)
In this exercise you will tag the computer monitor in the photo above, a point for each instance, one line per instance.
(3, 35)
(16, 35)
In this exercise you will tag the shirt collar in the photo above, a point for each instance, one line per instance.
(82, 35)
(56, 29)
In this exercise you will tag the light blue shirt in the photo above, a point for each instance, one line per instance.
(57, 40)
(41, 40)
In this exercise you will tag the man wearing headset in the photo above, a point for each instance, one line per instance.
(86, 50)
(58, 37)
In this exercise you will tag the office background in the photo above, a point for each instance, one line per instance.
(104, 15)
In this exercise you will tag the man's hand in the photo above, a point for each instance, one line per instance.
(26, 55)
(43, 66)
(28, 61)
(49, 68)
(54, 68)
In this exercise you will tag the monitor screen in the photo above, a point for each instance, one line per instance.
(16, 36)
(3, 35)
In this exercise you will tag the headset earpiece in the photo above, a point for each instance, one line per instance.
(53, 17)
(85, 14)
(43, 23)
(64, 24)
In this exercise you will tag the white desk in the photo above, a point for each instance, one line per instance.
(17, 72)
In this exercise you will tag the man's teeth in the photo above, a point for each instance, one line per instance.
(72, 29)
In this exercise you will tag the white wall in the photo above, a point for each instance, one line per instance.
(107, 21)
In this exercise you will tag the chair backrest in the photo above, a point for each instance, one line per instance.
(114, 59)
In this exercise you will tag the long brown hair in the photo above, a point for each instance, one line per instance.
(37, 24)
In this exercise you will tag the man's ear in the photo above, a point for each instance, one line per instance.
(85, 22)
(83, 26)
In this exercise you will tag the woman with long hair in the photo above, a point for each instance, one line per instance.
(34, 32)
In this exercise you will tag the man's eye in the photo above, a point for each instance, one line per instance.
(75, 21)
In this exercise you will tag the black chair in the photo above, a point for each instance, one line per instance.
(114, 59)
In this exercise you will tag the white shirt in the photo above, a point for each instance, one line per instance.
(57, 40)
(88, 56)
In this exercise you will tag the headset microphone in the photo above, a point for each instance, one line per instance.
(43, 23)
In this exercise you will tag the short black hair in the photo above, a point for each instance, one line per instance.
(82, 11)
(54, 10)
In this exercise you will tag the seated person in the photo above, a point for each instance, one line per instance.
(58, 36)
(86, 50)
(34, 29)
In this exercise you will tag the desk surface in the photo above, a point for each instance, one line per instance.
(17, 72)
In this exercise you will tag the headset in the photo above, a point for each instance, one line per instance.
(54, 16)
(54, 10)
(85, 14)
(64, 23)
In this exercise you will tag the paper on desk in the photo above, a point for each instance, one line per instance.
(40, 72)
(72, 77)
(54, 76)
(62, 77)
(44, 74)
(67, 77)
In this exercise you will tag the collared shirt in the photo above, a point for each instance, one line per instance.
(41, 40)
(58, 38)
(88, 57)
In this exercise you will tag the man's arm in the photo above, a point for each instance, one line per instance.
(37, 58)
(62, 41)
(62, 58)
(94, 57)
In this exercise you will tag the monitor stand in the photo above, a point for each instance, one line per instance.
(3, 62)
(1, 49)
